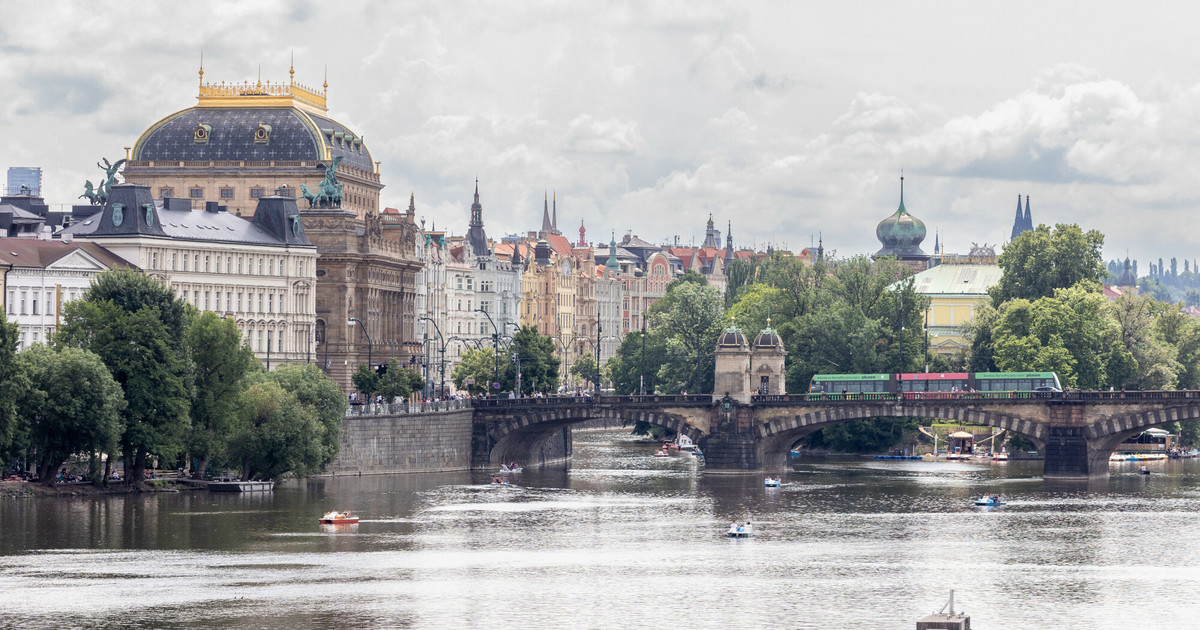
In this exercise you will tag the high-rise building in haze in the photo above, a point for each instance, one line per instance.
(24, 180)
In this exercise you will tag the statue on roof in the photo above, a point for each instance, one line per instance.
(329, 191)
(98, 195)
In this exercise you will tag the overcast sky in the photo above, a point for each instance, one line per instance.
(787, 119)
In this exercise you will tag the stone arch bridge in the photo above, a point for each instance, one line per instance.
(1077, 431)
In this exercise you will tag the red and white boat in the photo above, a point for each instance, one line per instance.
(339, 518)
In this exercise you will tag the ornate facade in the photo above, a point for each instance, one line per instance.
(241, 142)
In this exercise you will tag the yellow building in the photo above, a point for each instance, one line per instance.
(957, 287)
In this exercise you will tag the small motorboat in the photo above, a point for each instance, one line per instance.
(771, 482)
(339, 518)
(740, 531)
(990, 500)
(662, 454)
(1143, 471)
(1000, 457)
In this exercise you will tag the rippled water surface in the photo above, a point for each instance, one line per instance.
(623, 540)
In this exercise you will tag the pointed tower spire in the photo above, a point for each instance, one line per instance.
(201, 67)
(820, 246)
(547, 228)
(412, 204)
(292, 70)
(554, 217)
(612, 264)
(937, 248)
(582, 232)
(1028, 215)
(729, 242)
(1019, 225)
(475, 234)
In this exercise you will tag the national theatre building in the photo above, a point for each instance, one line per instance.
(246, 141)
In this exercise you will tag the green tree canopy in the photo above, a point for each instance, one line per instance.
(72, 405)
(1041, 260)
(10, 385)
(474, 371)
(220, 362)
(626, 368)
(290, 421)
(689, 318)
(584, 368)
(139, 329)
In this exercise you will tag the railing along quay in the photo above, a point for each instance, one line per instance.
(663, 399)
(393, 409)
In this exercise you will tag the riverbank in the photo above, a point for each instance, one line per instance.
(26, 489)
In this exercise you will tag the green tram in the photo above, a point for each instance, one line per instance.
(935, 385)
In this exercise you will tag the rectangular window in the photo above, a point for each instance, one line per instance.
(239, 308)
(166, 193)
(228, 264)
(258, 347)
(206, 264)
(172, 262)
(301, 268)
(196, 193)
(279, 344)
(256, 192)
(206, 296)
(35, 301)
(269, 340)
(272, 266)
(229, 301)
(260, 302)
(217, 300)
(12, 299)
(227, 193)
(271, 303)
(196, 262)
(154, 260)
(260, 266)
(196, 299)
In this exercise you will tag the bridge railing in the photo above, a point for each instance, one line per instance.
(1088, 396)
(393, 409)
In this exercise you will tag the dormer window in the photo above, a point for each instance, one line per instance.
(201, 134)
(262, 135)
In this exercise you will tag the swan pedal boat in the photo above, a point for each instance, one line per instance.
(339, 518)
(506, 469)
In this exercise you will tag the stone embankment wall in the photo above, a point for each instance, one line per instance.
(423, 442)
(417, 442)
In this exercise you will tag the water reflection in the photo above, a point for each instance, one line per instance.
(622, 539)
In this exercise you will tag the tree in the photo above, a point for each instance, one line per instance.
(689, 317)
(72, 405)
(365, 380)
(540, 368)
(584, 368)
(139, 329)
(1041, 260)
(220, 362)
(399, 382)
(290, 421)
(474, 371)
(626, 369)
(1156, 359)
(755, 305)
(10, 385)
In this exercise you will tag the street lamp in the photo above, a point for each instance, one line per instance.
(353, 320)
(495, 346)
(642, 371)
(442, 363)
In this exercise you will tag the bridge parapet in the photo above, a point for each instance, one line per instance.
(697, 400)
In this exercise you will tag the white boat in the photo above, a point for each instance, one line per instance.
(1000, 457)
(771, 483)
(505, 469)
(684, 443)
(740, 531)
(339, 518)
(661, 454)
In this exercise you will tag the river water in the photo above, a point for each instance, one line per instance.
(623, 540)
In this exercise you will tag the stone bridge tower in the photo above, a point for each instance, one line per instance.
(731, 377)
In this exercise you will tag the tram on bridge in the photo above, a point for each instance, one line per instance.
(921, 385)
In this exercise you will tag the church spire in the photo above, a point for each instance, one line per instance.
(1024, 221)
(729, 242)
(547, 228)
(1028, 215)
(554, 217)
(475, 234)
(612, 264)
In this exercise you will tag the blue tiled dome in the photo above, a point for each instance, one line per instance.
(252, 134)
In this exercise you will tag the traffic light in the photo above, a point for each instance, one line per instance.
(381, 369)
(412, 360)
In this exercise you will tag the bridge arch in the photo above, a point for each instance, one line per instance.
(777, 436)
(523, 436)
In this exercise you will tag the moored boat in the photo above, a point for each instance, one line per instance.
(990, 500)
(339, 518)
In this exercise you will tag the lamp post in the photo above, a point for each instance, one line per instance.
(354, 320)
(442, 361)
(642, 372)
(495, 347)
(566, 354)
(596, 384)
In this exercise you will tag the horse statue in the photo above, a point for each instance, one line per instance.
(92, 196)
(308, 194)
(330, 189)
